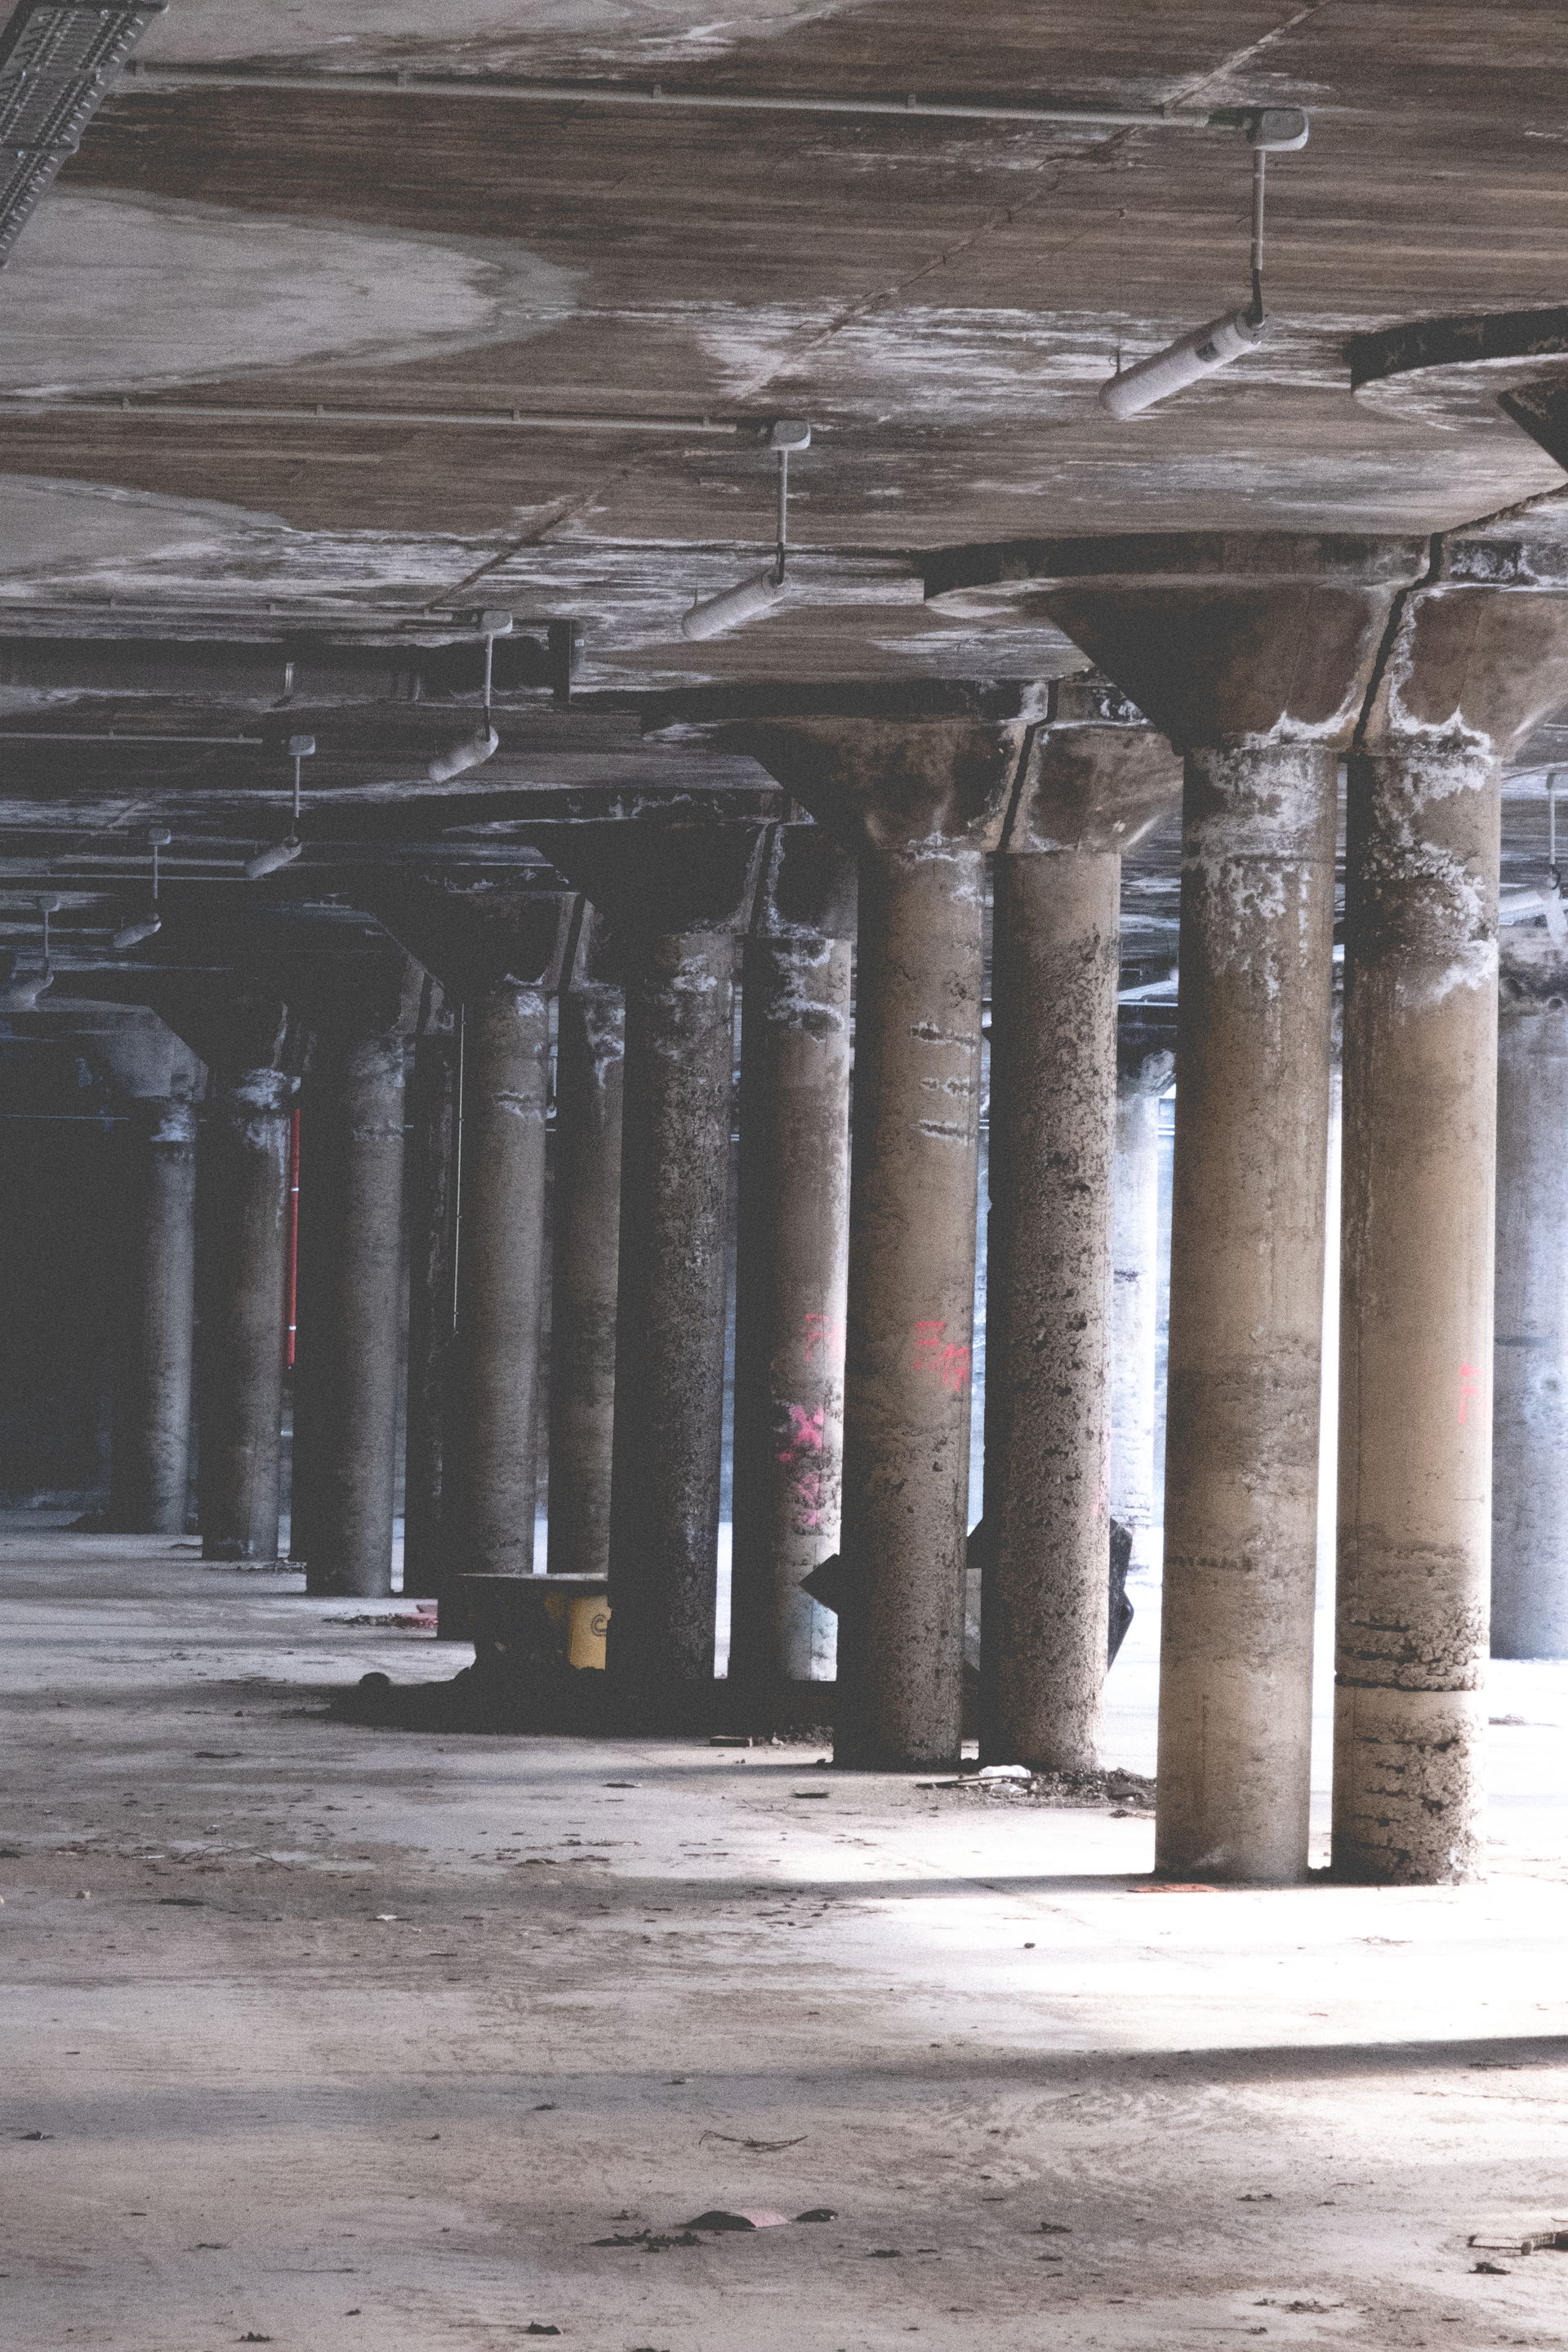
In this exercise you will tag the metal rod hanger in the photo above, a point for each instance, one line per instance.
(506, 420)
(1259, 167)
(519, 89)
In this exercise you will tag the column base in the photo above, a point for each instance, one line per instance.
(1409, 1803)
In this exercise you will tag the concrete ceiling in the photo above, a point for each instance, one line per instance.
(939, 297)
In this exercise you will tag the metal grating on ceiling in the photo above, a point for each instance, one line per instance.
(58, 60)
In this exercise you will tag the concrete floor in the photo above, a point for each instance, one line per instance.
(337, 2037)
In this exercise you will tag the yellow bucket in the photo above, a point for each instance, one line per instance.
(586, 1619)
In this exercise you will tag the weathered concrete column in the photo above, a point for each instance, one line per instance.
(585, 1233)
(492, 1431)
(1420, 1109)
(350, 1191)
(670, 1353)
(1247, 1287)
(432, 1303)
(498, 947)
(351, 1269)
(150, 1459)
(1091, 790)
(676, 894)
(1529, 1391)
(151, 1474)
(1253, 653)
(244, 1195)
(921, 802)
(1145, 1064)
(240, 1023)
(792, 1268)
(1469, 671)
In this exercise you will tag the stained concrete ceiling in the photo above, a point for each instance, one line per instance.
(939, 297)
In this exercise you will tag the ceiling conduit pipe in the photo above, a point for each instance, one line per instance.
(297, 671)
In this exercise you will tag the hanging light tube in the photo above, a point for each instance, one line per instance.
(475, 748)
(1207, 348)
(145, 927)
(711, 615)
(21, 991)
(283, 853)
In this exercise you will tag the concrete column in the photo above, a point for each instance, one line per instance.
(670, 1348)
(921, 802)
(432, 1305)
(150, 1462)
(1056, 962)
(1145, 1067)
(1469, 671)
(793, 1267)
(674, 893)
(1529, 1394)
(492, 1467)
(243, 1191)
(497, 946)
(1247, 1292)
(351, 1193)
(1053, 1059)
(150, 1064)
(1254, 652)
(911, 1299)
(1420, 1109)
(590, 1063)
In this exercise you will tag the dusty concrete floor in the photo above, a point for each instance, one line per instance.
(322, 2037)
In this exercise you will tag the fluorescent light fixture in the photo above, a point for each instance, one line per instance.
(471, 753)
(21, 991)
(475, 748)
(749, 599)
(1192, 359)
(131, 935)
(745, 601)
(147, 926)
(1194, 356)
(269, 860)
(283, 853)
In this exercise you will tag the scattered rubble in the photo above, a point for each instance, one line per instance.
(1130, 1792)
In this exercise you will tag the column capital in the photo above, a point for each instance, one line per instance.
(1091, 782)
(660, 874)
(1247, 638)
(357, 999)
(808, 886)
(1470, 667)
(899, 784)
(478, 933)
(135, 1049)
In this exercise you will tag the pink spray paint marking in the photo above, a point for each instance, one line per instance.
(799, 1457)
(1470, 1391)
(933, 1352)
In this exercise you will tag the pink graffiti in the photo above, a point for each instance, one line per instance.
(1470, 1391)
(950, 1360)
(798, 1457)
(806, 1431)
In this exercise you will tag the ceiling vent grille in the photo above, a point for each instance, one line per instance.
(58, 60)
